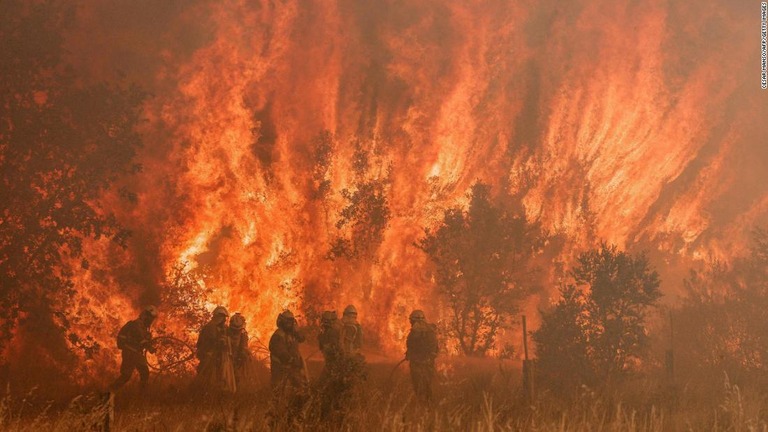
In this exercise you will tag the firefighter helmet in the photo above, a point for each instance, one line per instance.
(285, 317)
(220, 310)
(328, 317)
(237, 321)
(150, 311)
(417, 315)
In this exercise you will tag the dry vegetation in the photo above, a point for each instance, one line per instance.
(481, 395)
(72, 168)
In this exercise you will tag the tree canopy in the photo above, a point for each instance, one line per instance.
(596, 331)
(721, 324)
(62, 144)
(483, 262)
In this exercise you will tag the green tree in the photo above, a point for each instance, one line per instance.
(483, 267)
(721, 324)
(62, 143)
(596, 331)
(562, 341)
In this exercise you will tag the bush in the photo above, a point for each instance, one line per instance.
(596, 331)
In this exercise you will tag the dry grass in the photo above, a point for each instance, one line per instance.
(468, 397)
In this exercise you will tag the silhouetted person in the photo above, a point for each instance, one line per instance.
(329, 341)
(353, 363)
(134, 340)
(331, 383)
(215, 372)
(287, 366)
(351, 333)
(241, 356)
(421, 353)
(289, 380)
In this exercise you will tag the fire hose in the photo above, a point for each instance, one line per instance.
(168, 366)
(394, 369)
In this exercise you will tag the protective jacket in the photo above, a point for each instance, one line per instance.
(284, 356)
(134, 336)
(351, 336)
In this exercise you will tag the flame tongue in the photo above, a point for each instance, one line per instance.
(606, 117)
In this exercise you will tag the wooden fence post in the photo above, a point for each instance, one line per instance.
(528, 367)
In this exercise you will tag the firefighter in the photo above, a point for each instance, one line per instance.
(331, 384)
(241, 356)
(134, 339)
(329, 341)
(289, 377)
(421, 353)
(353, 362)
(215, 372)
(287, 366)
(351, 333)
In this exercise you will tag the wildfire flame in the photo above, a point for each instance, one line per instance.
(624, 121)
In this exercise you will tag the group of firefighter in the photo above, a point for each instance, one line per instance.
(226, 364)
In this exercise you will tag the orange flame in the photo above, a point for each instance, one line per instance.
(610, 119)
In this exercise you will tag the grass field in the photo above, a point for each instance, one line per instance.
(470, 395)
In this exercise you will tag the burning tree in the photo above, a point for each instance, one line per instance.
(323, 148)
(363, 220)
(366, 212)
(184, 299)
(62, 143)
(482, 259)
(596, 330)
(366, 215)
